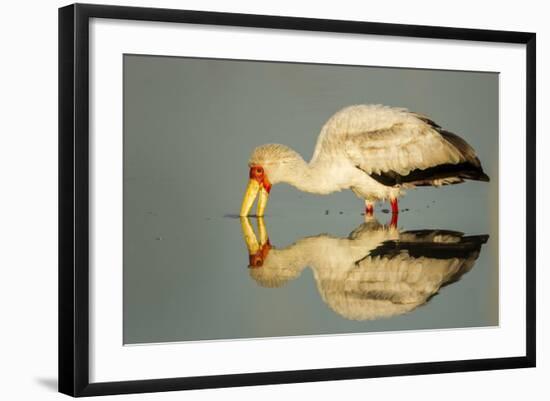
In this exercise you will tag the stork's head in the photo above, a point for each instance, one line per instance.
(269, 164)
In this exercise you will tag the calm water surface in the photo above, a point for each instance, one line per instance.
(190, 277)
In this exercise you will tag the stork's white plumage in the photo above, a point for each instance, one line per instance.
(376, 272)
(376, 151)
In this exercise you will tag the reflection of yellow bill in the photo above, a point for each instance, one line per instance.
(262, 231)
(257, 251)
(249, 237)
(250, 194)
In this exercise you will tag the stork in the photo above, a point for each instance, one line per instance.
(376, 151)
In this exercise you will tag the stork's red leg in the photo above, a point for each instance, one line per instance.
(394, 206)
(394, 218)
(394, 212)
(369, 209)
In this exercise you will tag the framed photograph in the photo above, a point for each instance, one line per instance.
(251, 199)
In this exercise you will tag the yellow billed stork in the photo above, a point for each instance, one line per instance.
(376, 151)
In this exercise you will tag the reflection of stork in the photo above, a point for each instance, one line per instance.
(376, 151)
(376, 272)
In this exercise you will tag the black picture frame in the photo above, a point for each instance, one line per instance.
(74, 198)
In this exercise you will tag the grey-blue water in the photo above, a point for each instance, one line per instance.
(189, 128)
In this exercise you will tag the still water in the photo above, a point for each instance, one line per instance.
(189, 128)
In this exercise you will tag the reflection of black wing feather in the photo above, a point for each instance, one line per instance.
(424, 243)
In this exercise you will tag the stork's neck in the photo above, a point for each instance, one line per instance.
(310, 177)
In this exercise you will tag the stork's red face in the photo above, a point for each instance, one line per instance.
(258, 182)
(257, 173)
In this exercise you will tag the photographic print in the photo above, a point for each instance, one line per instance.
(275, 199)
(250, 199)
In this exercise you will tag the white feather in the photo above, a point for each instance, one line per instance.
(380, 139)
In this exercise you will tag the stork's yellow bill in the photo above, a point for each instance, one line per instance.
(257, 184)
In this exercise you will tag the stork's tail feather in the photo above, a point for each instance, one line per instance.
(462, 146)
(468, 153)
(478, 175)
(466, 171)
